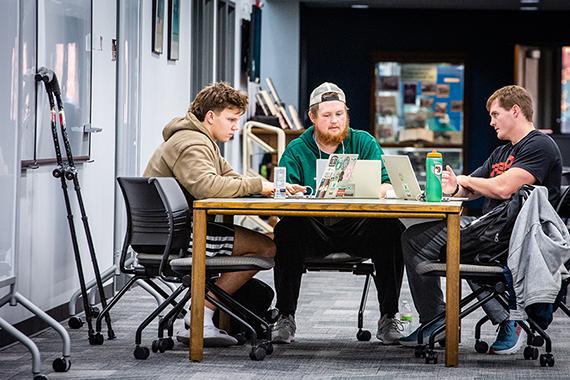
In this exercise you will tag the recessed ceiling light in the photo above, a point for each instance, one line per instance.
(359, 6)
(529, 5)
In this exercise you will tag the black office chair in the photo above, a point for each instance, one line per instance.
(144, 239)
(158, 231)
(491, 279)
(343, 262)
(563, 210)
(563, 206)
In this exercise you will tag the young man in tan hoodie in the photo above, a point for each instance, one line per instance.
(190, 154)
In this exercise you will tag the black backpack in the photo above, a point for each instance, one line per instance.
(256, 296)
(488, 236)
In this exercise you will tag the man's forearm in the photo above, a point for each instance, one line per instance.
(475, 187)
(464, 192)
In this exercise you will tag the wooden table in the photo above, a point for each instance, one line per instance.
(351, 208)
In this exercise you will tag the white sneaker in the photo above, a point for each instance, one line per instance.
(389, 330)
(213, 337)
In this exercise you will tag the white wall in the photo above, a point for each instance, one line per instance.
(232, 149)
(165, 85)
(46, 268)
(280, 48)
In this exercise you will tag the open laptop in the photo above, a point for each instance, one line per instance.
(366, 177)
(402, 177)
(334, 182)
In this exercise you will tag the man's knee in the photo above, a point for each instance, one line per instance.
(268, 248)
(263, 246)
(288, 230)
(408, 237)
(248, 242)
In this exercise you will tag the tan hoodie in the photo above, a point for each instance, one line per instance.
(189, 154)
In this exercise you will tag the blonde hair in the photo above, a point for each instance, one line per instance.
(508, 96)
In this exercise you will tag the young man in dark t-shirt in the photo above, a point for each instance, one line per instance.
(530, 157)
(535, 153)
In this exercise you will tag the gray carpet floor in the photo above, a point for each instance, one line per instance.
(325, 347)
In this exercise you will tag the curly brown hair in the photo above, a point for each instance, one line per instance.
(217, 97)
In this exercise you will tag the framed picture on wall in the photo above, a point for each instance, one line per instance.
(173, 29)
(157, 26)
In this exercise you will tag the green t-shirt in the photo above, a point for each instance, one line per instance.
(300, 156)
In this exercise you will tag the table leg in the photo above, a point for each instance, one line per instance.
(453, 295)
(198, 286)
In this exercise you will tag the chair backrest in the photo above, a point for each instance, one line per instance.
(563, 210)
(158, 217)
(563, 206)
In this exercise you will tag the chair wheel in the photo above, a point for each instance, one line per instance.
(431, 357)
(481, 346)
(530, 353)
(94, 311)
(141, 353)
(75, 323)
(241, 338)
(363, 335)
(164, 344)
(96, 339)
(537, 341)
(154, 346)
(257, 353)
(420, 351)
(170, 343)
(61, 364)
(546, 360)
(40, 376)
(268, 348)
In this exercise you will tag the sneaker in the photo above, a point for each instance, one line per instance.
(213, 337)
(284, 330)
(389, 330)
(510, 339)
(412, 339)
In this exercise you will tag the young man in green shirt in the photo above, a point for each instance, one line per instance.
(299, 238)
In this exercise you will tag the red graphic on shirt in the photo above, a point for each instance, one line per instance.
(501, 167)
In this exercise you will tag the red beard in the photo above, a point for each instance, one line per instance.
(329, 138)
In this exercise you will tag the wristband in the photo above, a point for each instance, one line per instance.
(456, 191)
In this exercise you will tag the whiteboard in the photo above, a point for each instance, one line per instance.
(9, 165)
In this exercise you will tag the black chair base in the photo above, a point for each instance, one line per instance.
(491, 280)
(343, 262)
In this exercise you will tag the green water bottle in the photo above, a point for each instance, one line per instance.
(434, 168)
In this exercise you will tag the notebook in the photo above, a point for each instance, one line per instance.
(402, 177)
(365, 180)
(334, 181)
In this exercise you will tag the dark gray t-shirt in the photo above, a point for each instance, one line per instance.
(536, 153)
